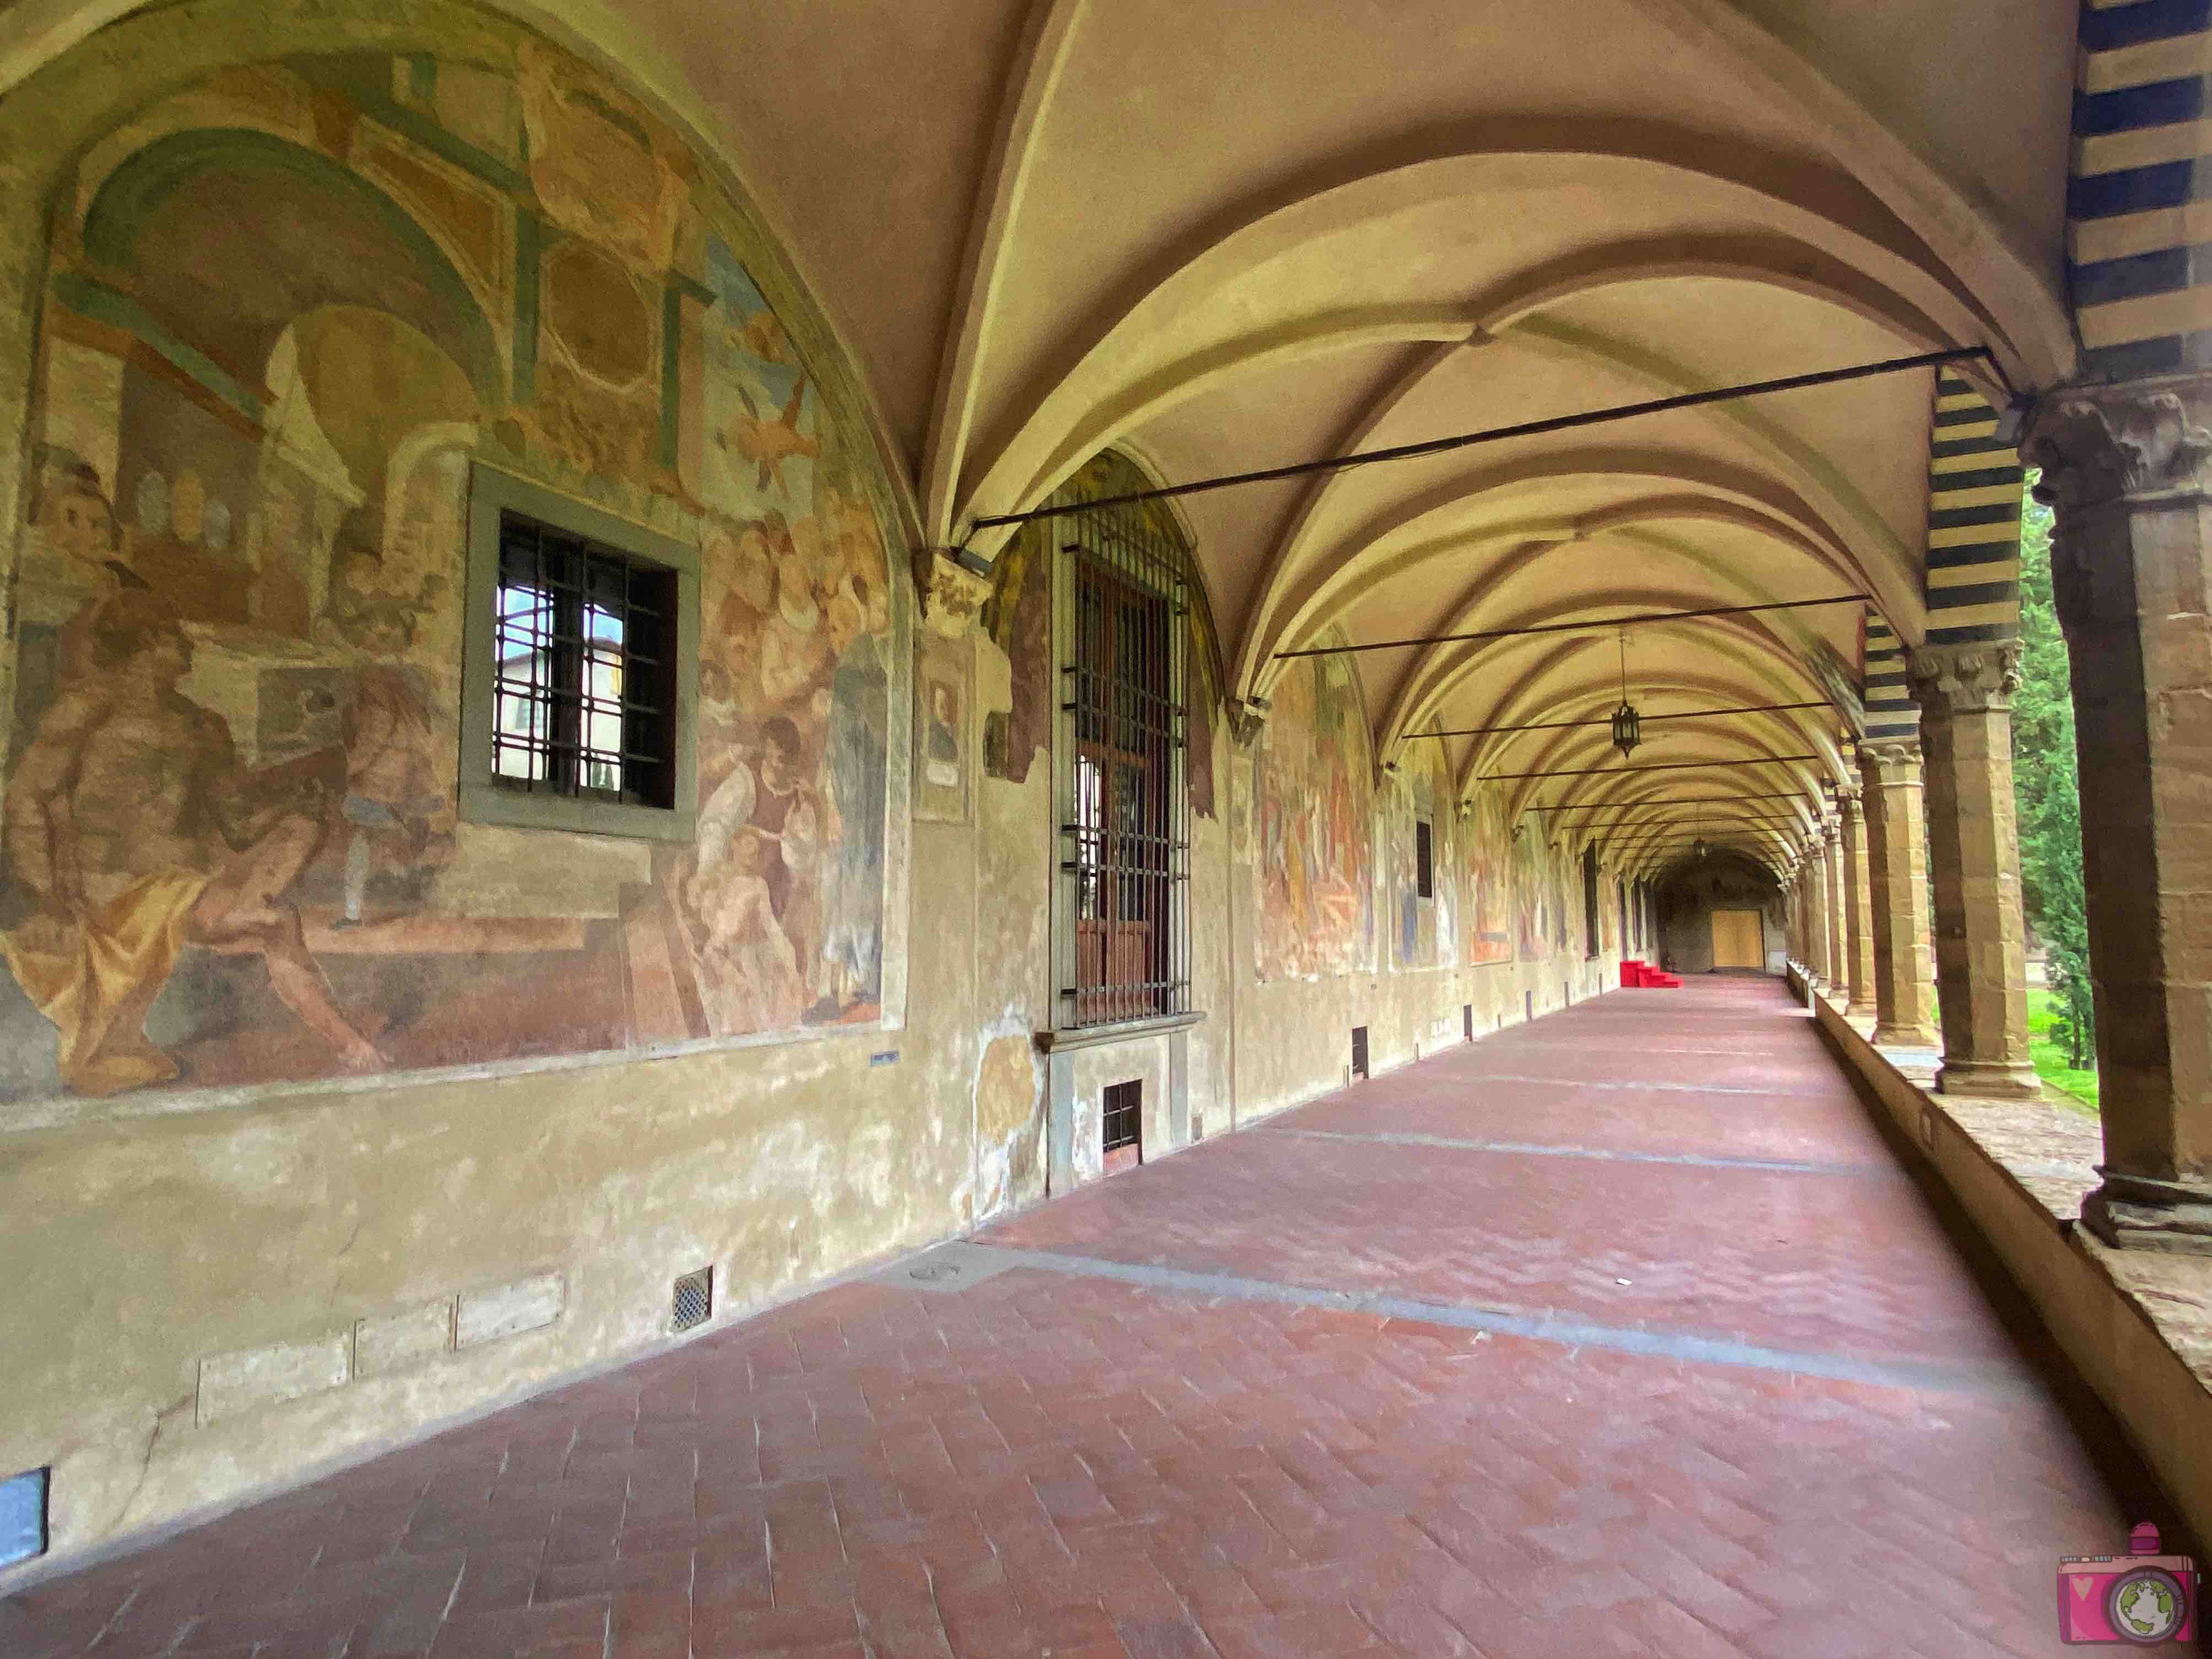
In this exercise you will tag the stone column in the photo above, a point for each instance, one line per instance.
(1816, 911)
(1897, 868)
(2130, 469)
(1858, 912)
(1965, 693)
(1831, 865)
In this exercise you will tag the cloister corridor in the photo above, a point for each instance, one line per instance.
(1620, 1332)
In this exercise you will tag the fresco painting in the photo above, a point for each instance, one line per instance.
(1425, 932)
(1535, 892)
(944, 693)
(1485, 855)
(275, 346)
(1314, 811)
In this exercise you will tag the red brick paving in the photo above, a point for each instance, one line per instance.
(1052, 1463)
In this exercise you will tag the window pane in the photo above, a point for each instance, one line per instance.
(584, 642)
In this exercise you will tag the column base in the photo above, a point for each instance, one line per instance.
(1858, 1011)
(2138, 1213)
(1906, 1036)
(1989, 1081)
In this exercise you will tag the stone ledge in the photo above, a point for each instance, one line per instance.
(2137, 1324)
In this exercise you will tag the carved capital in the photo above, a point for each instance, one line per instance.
(951, 594)
(1893, 761)
(2127, 443)
(1847, 798)
(1965, 679)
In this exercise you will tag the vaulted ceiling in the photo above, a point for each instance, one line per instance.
(1225, 237)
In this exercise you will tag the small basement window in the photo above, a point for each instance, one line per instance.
(581, 671)
(1425, 860)
(1123, 1116)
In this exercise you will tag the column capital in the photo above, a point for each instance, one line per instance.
(1892, 760)
(2137, 442)
(1847, 800)
(1965, 679)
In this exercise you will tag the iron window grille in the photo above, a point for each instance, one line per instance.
(1591, 925)
(579, 668)
(1125, 826)
(1425, 860)
(1122, 1119)
(583, 703)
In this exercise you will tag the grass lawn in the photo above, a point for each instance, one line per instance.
(2078, 1089)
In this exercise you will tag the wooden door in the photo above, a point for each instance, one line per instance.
(1739, 940)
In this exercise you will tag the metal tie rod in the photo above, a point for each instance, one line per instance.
(1668, 800)
(1666, 766)
(1561, 726)
(1602, 625)
(1494, 434)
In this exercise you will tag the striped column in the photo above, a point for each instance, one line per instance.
(1892, 716)
(2139, 204)
(1974, 481)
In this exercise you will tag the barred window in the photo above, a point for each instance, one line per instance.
(580, 672)
(584, 703)
(1591, 925)
(1125, 831)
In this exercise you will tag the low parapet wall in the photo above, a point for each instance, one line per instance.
(2124, 1318)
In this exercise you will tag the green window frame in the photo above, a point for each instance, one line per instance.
(502, 507)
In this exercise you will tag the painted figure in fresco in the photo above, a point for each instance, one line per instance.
(741, 619)
(754, 968)
(856, 775)
(941, 749)
(398, 812)
(766, 795)
(73, 525)
(797, 658)
(70, 510)
(1019, 617)
(135, 831)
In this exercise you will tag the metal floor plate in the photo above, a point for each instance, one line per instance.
(948, 1268)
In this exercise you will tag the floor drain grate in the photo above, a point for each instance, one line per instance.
(694, 1299)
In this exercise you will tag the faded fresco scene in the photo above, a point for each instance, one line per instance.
(1424, 933)
(1486, 851)
(291, 308)
(1313, 810)
(1540, 892)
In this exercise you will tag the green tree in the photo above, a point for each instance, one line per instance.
(2046, 792)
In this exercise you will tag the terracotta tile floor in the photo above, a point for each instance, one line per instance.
(1276, 1396)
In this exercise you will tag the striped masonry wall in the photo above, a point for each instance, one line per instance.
(2139, 203)
(1974, 482)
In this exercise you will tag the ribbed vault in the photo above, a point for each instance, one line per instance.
(1223, 241)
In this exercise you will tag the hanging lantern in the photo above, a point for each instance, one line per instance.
(1627, 726)
(1627, 729)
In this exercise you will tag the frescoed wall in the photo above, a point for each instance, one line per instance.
(292, 308)
(1424, 933)
(1485, 851)
(1534, 896)
(1314, 811)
